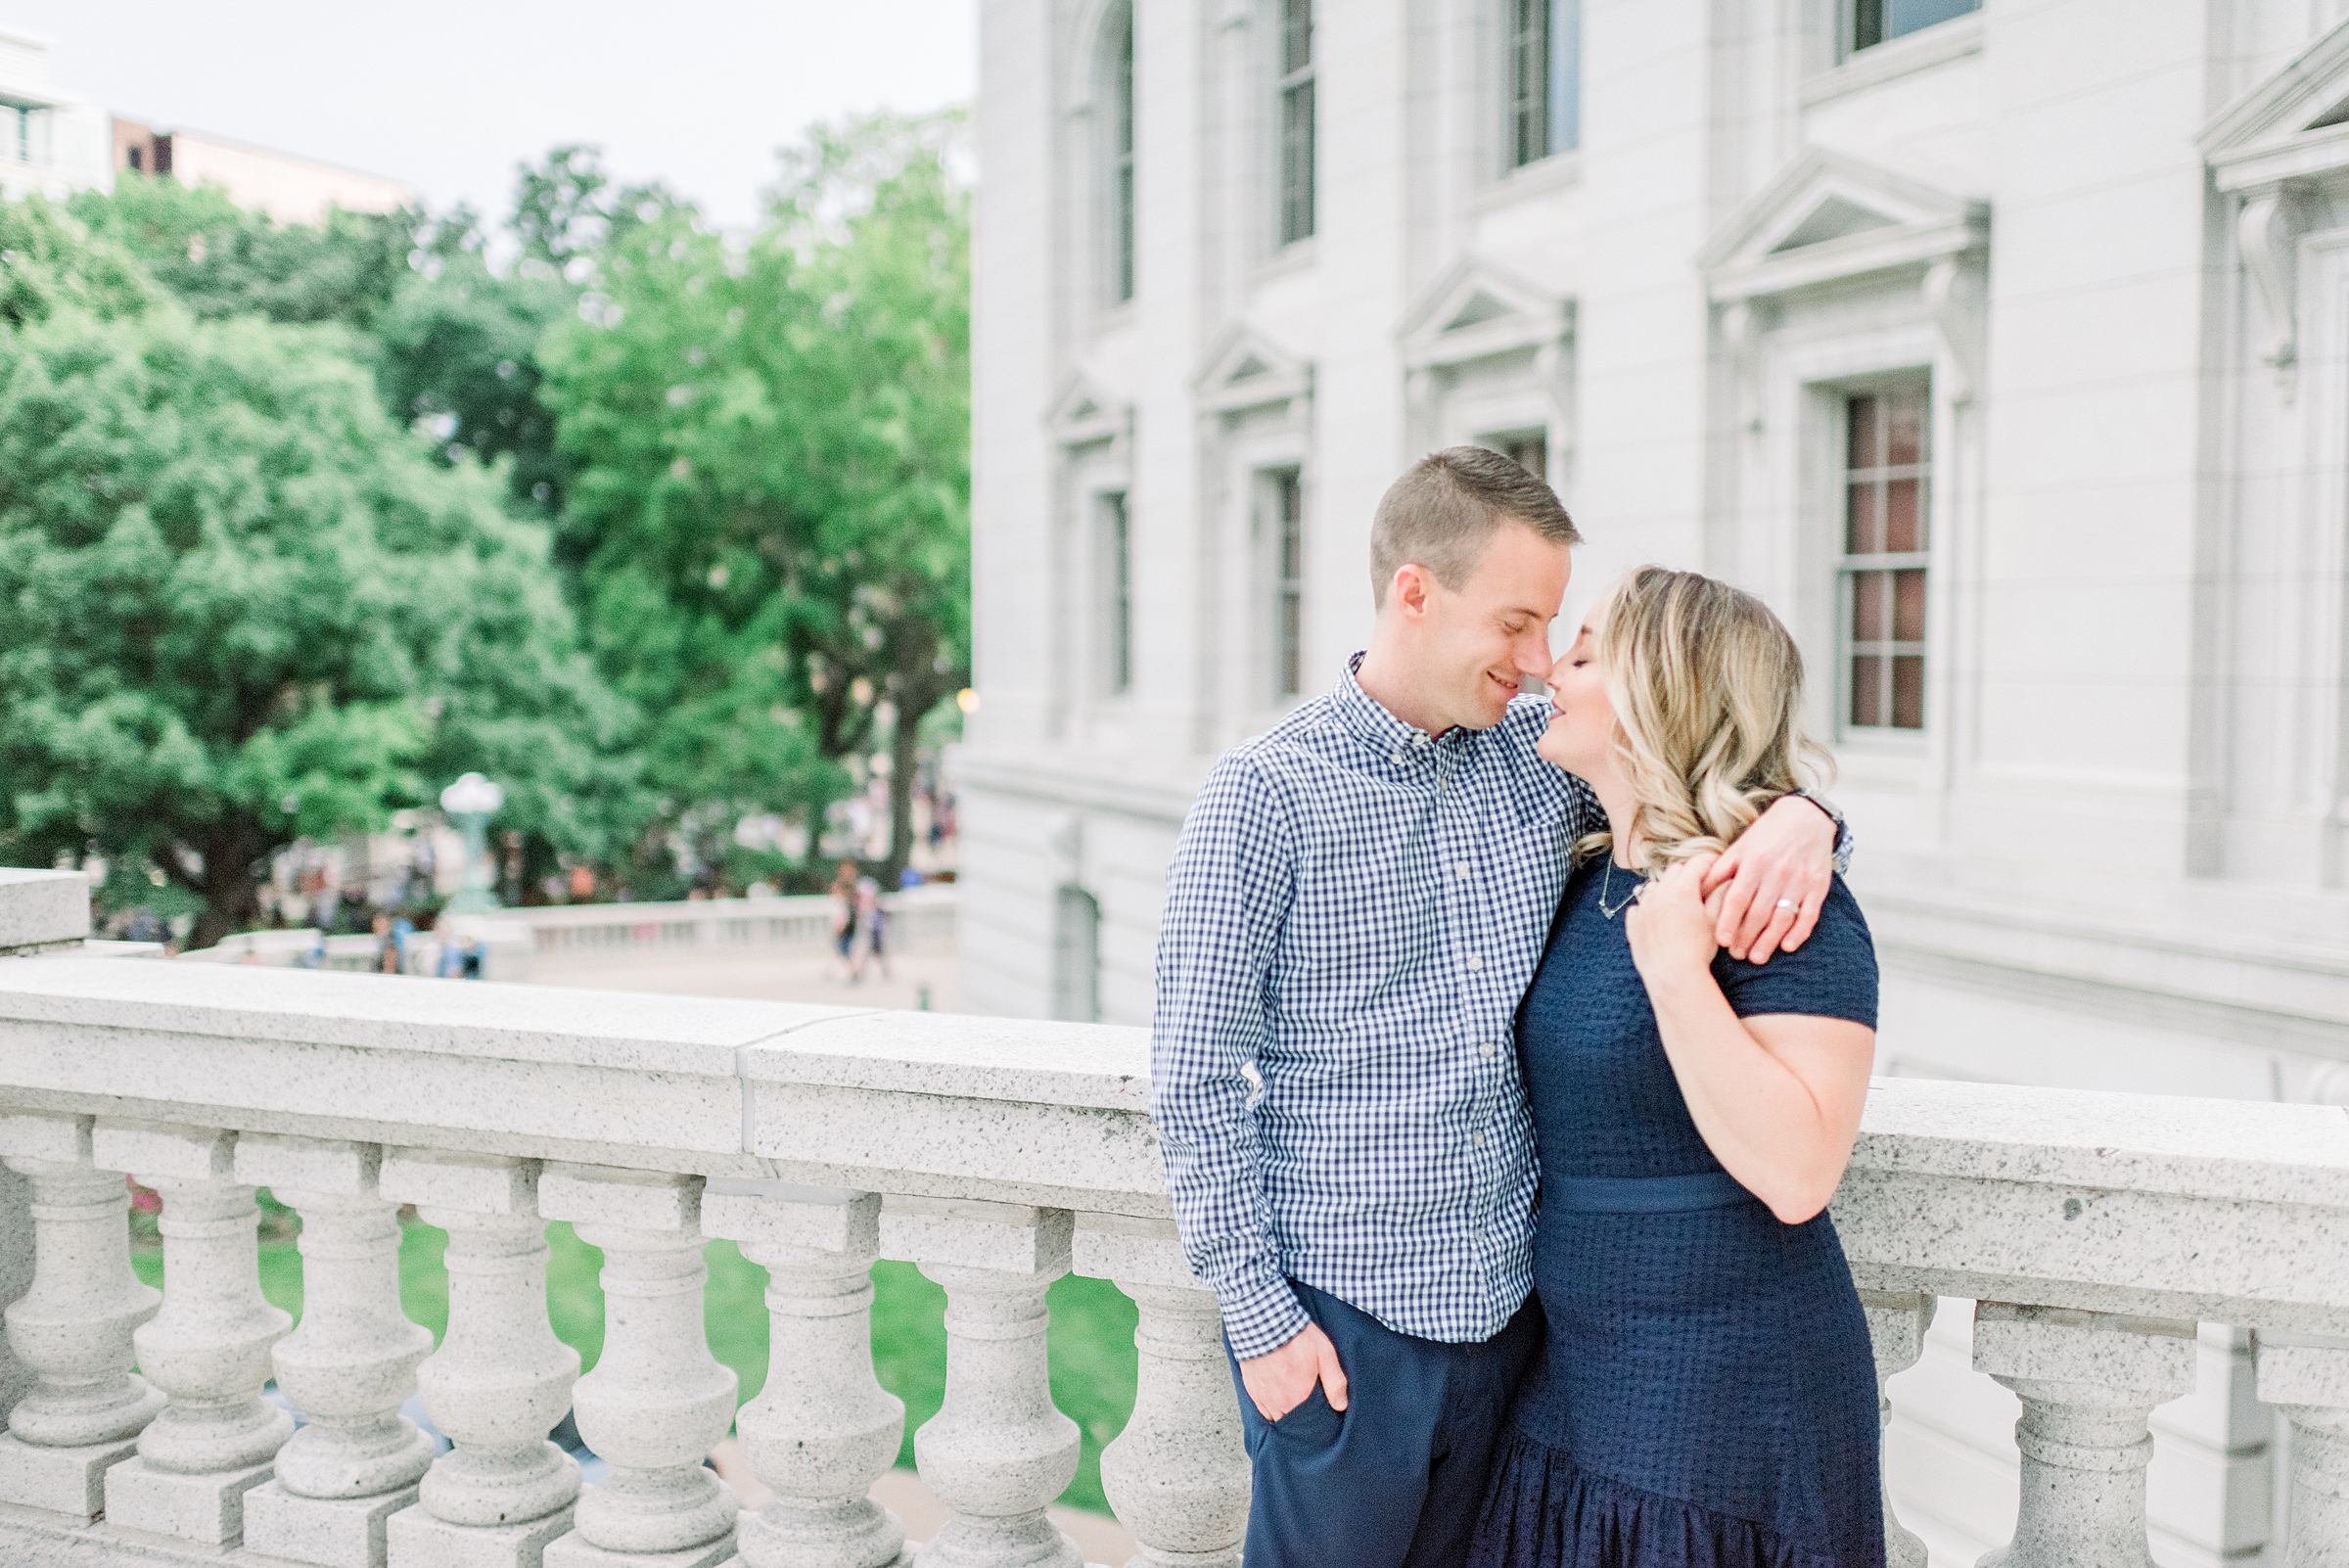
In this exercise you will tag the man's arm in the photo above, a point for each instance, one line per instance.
(1227, 896)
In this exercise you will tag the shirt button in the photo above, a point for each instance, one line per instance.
(1480, 1140)
(1460, 870)
(1487, 1051)
(1399, 759)
(1476, 960)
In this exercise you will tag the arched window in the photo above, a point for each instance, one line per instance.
(1117, 30)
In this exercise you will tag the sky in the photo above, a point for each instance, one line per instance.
(448, 95)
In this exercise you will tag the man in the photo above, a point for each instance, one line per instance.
(1355, 909)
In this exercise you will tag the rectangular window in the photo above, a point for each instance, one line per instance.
(1545, 72)
(1887, 489)
(23, 135)
(1296, 120)
(1871, 22)
(1286, 499)
(1529, 451)
(1116, 596)
(1076, 956)
(135, 157)
(1121, 280)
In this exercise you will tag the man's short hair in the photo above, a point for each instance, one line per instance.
(1444, 510)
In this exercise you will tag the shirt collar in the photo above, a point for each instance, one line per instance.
(1368, 721)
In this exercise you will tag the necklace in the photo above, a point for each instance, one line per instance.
(1607, 886)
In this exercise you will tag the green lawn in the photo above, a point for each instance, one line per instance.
(1091, 1342)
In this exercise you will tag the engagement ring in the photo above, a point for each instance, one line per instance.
(1788, 904)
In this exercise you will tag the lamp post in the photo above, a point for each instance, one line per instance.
(473, 800)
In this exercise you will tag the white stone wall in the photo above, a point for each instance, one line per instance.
(2114, 856)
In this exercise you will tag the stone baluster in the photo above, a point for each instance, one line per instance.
(86, 1408)
(500, 1380)
(823, 1430)
(208, 1348)
(1178, 1475)
(2308, 1378)
(2089, 1381)
(1897, 1320)
(998, 1451)
(347, 1367)
(658, 1402)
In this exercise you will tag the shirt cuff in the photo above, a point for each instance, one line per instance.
(1260, 1317)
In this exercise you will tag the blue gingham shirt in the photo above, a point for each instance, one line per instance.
(1354, 911)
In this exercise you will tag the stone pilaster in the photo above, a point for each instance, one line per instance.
(349, 1365)
(72, 1328)
(208, 1348)
(1897, 1320)
(658, 1402)
(1178, 1475)
(2089, 1381)
(998, 1451)
(500, 1380)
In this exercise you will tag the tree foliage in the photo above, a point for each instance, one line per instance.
(238, 606)
(772, 440)
(222, 260)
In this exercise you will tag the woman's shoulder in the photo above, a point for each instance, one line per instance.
(1831, 975)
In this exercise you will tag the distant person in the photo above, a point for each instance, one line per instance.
(843, 921)
(386, 944)
(874, 920)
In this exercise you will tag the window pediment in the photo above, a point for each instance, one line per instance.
(1475, 309)
(1248, 370)
(1086, 412)
(1828, 217)
(2293, 125)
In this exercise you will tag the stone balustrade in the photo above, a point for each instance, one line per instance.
(2094, 1231)
(921, 920)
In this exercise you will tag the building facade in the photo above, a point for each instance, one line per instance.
(51, 142)
(290, 189)
(2002, 346)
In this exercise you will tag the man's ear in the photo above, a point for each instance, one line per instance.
(1409, 591)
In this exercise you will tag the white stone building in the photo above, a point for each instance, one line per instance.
(2003, 347)
(51, 142)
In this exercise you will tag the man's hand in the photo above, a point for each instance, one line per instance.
(1279, 1381)
(1774, 880)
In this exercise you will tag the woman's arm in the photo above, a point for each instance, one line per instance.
(1776, 1098)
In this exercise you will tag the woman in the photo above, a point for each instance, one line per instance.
(1707, 1397)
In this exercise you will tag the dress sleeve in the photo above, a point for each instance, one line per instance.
(1834, 975)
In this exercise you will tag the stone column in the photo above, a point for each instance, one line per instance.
(2308, 1378)
(1897, 1320)
(349, 1365)
(2088, 1381)
(86, 1408)
(1178, 1475)
(658, 1402)
(998, 1451)
(500, 1380)
(208, 1348)
(823, 1430)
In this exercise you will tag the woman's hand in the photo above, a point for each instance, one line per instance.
(1671, 925)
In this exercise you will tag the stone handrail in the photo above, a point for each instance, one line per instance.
(921, 920)
(2094, 1231)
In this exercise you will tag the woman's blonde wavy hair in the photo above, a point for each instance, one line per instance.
(1707, 688)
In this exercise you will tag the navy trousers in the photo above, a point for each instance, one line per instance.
(1397, 1479)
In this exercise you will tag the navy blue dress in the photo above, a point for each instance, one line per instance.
(1706, 1397)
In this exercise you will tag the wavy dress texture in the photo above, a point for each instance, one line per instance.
(1706, 1396)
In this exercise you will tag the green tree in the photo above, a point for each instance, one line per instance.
(50, 260)
(284, 619)
(222, 260)
(773, 446)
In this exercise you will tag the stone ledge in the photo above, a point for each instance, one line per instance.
(42, 910)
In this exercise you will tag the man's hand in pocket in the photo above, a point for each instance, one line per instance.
(1280, 1380)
